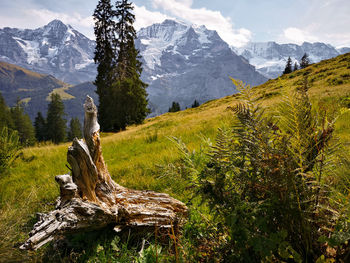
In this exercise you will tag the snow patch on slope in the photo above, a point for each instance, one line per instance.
(31, 48)
(158, 38)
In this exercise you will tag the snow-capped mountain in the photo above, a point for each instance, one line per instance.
(343, 50)
(181, 62)
(184, 63)
(55, 49)
(269, 58)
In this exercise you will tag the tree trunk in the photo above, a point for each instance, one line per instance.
(90, 199)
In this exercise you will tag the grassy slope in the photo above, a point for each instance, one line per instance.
(20, 78)
(133, 156)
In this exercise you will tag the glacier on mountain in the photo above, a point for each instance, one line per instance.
(55, 49)
(270, 58)
(183, 63)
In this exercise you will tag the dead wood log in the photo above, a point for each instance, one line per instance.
(90, 199)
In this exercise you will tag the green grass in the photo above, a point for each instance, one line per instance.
(62, 92)
(134, 156)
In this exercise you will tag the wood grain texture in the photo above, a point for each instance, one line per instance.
(90, 199)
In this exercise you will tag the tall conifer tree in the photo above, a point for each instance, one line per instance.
(295, 66)
(5, 116)
(23, 125)
(288, 69)
(304, 61)
(40, 127)
(105, 57)
(74, 129)
(122, 92)
(130, 91)
(56, 124)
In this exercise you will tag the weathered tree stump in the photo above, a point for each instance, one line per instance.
(90, 199)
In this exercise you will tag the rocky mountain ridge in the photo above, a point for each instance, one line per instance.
(269, 58)
(184, 63)
(181, 62)
(56, 49)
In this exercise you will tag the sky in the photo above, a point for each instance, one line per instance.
(236, 21)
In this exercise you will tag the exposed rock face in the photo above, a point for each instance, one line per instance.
(184, 63)
(181, 62)
(270, 58)
(55, 49)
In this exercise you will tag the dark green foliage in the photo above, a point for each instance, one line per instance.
(288, 68)
(295, 66)
(40, 128)
(129, 102)
(175, 106)
(5, 116)
(9, 148)
(74, 129)
(195, 104)
(23, 125)
(105, 57)
(304, 62)
(127, 63)
(56, 124)
(122, 94)
(265, 181)
(16, 119)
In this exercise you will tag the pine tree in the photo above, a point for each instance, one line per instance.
(295, 66)
(195, 104)
(9, 148)
(122, 94)
(304, 61)
(105, 57)
(40, 127)
(23, 125)
(175, 106)
(74, 129)
(56, 124)
(5, 116)
(130, 103)
(288, 68)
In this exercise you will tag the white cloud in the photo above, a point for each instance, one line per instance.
(83, 24)
(296, 35)
(213, 20)
(324, 21)
(40, 17)
(146, 18)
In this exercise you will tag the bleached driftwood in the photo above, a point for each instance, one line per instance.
(90, 199)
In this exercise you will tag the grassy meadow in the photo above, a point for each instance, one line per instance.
(137, 156)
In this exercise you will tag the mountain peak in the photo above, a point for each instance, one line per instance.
(173, 22)
(56, 25)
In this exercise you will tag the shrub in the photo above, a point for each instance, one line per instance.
(9, 148)
(267, 181)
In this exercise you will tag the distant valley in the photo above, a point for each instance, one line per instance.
(33, 91)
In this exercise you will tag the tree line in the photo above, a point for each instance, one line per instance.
(304, 62)
(52, 128)
(175, 106)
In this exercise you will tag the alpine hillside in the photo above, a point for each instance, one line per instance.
(269, 58)
(142, 157)
(33, 91)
